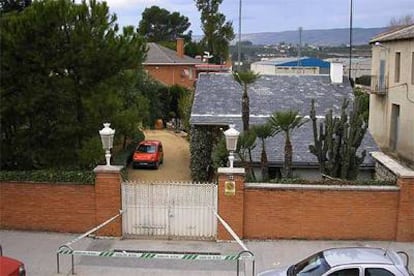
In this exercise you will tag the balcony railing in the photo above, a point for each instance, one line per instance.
(379, 85)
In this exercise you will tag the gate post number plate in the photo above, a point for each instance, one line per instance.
(229, 188)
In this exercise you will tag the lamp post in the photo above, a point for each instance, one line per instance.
(107, 138)
(231, 142)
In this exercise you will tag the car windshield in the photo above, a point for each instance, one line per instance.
(315, 265)
(146, 148)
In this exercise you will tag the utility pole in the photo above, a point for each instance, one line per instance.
(350, 43)
(300, 47)
(239, 44)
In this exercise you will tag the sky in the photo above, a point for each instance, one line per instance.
(276, 15)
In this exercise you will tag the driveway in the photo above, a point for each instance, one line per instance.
(176, 166)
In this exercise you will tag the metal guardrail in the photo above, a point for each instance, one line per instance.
(66, 249)
(67, 246)
(152, 255)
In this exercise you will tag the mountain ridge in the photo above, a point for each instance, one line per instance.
(317, 37)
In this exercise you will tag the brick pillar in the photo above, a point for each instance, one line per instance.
(231, 201)
(405, 222)
(108, 199)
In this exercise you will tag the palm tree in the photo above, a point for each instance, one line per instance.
(286, 121)
(245, 78)
(245, 144)
(263, 132)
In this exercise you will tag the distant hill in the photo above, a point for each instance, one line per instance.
(331, 37)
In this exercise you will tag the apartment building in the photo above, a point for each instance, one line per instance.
(391, 118)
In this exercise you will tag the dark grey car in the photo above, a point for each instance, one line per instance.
(348, 261)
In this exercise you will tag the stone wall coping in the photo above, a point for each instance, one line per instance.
(107, 169)
(393, 165)
(379, 188)
(231, 170)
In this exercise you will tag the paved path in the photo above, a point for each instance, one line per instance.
(38, 251)
(176, 166)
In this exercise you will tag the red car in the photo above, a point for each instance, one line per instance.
(10, 267)
(149, 153)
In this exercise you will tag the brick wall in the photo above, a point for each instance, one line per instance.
(49, 207)
(274, 211)
(320, 213)
(170, 75)
(231, 206)
(63, 207)
(405, 223)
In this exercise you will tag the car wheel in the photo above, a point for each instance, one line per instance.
(157, 165)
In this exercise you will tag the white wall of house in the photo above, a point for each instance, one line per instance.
(391, 118)
(271, 69)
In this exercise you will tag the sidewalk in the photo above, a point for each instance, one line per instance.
(38, 251)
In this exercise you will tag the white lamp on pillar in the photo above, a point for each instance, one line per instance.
(231, 142)
(107, 137)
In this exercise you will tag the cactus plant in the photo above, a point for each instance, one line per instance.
(337, 141)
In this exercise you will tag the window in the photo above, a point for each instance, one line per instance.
(146, 148)
(412, 68)
(190, 72)
(395, 126)
(377, 272)
(312, 266)
(397, 66)
(381, 79)
(346, 272)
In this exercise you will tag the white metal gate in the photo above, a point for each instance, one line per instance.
(169, 210)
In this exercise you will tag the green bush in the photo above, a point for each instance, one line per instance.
(201, 146)
(91, 153)
(369, 182)
(124, 156)
(51, 176)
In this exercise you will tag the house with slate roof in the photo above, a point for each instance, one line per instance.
(171, 67)
(218, 102)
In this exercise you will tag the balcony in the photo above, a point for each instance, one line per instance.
(379, 85)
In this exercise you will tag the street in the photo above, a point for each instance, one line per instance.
(38, 251)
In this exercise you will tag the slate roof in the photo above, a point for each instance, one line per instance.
(217, 101)
(160, 55)
(402, 33)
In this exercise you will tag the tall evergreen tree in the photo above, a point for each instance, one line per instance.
(158, 24)
(217, 31)
(13, 5)
(64, 73)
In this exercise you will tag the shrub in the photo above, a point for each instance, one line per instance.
(52, 176)
(326, 181)
(124, 156)
(91, 153)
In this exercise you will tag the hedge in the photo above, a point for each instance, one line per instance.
(50, 176)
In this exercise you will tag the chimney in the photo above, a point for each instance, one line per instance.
(336, 72)
(180, 47)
